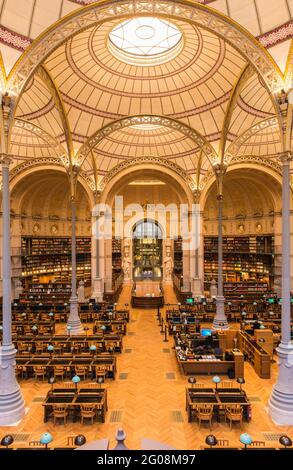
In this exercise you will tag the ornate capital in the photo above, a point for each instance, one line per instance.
(220, 169)
(285, 157)
(5, 160)
(196, 195)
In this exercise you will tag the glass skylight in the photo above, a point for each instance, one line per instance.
(145, 40)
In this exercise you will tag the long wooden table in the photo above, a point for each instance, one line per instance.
(219, 398)
(29, 362)
(75, 399)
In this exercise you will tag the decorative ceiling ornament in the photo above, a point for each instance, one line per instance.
(94, 13)
(144, 160)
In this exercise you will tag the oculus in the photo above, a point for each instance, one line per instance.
(145, 41)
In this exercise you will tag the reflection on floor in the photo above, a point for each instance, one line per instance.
(148, 397)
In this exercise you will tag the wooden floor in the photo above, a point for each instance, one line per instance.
(148, 397)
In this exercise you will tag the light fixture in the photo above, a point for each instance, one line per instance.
(211, 440)
(75, 379)
(79, 440)
(46, 438)
(216, 380)
(7, 440)
(240, 381)
(285, 441)
(245, 439)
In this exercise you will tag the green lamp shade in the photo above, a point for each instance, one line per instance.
(216, 379)
(93, 347)
(51, 314)
(75, 379)
(46, 438)
(245, 439)
(50, 347)
(69, 327)
(23, 314)
(103, 327)
(34, 327)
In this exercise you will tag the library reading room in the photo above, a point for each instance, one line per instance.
(146, 234)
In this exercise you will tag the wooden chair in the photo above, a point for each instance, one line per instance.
(205, 413)
(39, 372)
(199, 385)
(101, 371)
(94, 386)
(39, 348)
(60, 412)
(87, 412)
(82, 371)
(36, 444)
(19, 370)
(59, 372)
(234, 414)
(222, 442)
(258, 444)
(227, 384)
(66, 385)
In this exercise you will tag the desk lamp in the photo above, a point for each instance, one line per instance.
(51, 382)
(46, 438)
(245, 439)
(211, 440)
(103, 328)
(7, 441)
(69, 328)
(79, 440)
(75, 379)
(50, 348)
(100, 381)
(51, 314)
(240, 381)
(93, 349)
(192, 381)
(285, 441)
(86, 329)
(216, 381)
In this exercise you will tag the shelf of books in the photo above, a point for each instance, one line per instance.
(246, 261)
(116, 258)
(178, 256)
(48, 260)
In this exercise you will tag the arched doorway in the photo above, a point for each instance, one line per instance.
(147, 251)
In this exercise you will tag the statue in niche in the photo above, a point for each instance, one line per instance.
(168, 264)
(126, 262)
(80, 292)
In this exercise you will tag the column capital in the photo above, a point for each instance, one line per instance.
(5, 160)
(220, 169)
(196, 195)
(285, 157)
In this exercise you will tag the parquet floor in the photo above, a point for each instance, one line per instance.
(148, 404)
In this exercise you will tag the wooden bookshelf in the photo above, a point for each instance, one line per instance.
(48, 260)
(255, 354)
(178, 256)
(116, 258)
(244, 259)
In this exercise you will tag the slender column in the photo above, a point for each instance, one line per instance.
(196, 271)
(12, 406)
(281, 400)
(73, 319)
(98, 276)
(220, 320)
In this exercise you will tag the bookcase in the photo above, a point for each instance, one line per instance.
(48, 260)
(116, 258)
(248, 258)
(255, 354)
(178, 256)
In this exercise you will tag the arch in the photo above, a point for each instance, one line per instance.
(233, 148)
(45, 136)
(101, 11)
(121, 178)
(40, 165)
(45, 76)
(154, 222)
(272, 172)
(194, 135)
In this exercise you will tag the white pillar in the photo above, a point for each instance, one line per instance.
(97, 261)
(12, 407)
(281, 400)
(220, 320)
(196, 253)
(73, 319)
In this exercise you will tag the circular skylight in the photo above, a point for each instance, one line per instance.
(145, 41)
